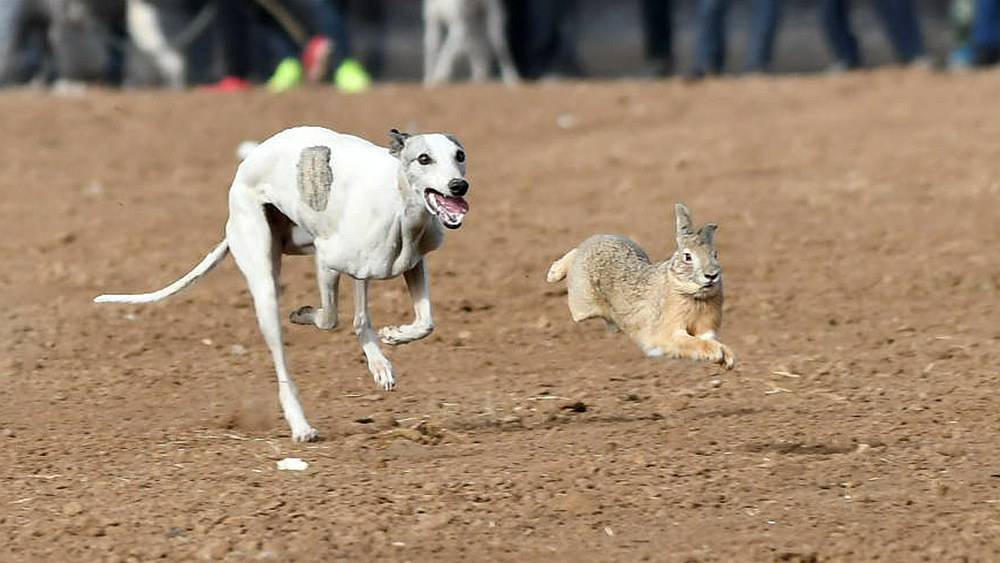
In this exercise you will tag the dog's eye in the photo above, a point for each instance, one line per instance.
(460, 156)
(687, 256)
(424, 159)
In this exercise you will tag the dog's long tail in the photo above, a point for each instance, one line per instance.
(204, 267)
(560, 267)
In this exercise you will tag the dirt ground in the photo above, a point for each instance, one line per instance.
(859, 238)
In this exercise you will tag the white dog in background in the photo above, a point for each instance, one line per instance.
(363, 210)
(142, 19)
(474, 28)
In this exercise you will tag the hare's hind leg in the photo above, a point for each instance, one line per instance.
(582, 302)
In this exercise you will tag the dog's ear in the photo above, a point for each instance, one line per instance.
(398, 141)
(455, 140)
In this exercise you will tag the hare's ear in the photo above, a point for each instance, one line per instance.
(684, 227)
(706, 234)
(398, 141)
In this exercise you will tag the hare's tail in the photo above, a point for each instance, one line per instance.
(560, 267)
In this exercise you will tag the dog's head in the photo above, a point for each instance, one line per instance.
(434, 165)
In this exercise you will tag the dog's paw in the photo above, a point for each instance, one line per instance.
(304, 434)
(381, 370)
(307, 315)
(303, 315)
(396, 335)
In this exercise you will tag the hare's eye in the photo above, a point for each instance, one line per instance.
(715, 254)
(687, 256)
(424, 159)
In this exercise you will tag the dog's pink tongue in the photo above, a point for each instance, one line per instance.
(454, 205)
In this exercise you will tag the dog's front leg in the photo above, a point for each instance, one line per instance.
(378, 364)
(324, 318)
(418, 282)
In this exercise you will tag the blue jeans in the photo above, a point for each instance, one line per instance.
(899, 18)
(710, 51)
(986, 28)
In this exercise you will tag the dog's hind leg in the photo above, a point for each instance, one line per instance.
(378, 364)
(418, 282)
(432, 47)
(455, 41)
(480, 57)
(496, 19)
(258, 257)
(324, 318)
(146, 31)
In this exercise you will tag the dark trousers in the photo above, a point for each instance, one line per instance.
(539, 35)
(253, 42)
(658, 29)
(710, 50)
(323, 17)
(899, 18)
(986, 31)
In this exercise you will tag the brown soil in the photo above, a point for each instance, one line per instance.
(858, 231)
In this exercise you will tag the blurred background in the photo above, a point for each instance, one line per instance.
(233, 44)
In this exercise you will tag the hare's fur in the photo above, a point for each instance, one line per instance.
(671, 308)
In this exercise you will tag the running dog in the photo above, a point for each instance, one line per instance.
(362, 210)
(474, 28)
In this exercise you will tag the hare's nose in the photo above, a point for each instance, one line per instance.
(712, 277)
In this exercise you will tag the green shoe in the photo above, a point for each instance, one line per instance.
(351, 77)
(288, 75)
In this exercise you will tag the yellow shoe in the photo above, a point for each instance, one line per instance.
(288, 75)
(351, 78)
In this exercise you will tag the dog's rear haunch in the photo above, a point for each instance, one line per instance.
(363, 210)
(671, 308)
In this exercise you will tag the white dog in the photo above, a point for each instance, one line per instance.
(363, 210)
(146, 31)
(475, 28)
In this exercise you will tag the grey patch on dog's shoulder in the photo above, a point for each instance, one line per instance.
(315, 177)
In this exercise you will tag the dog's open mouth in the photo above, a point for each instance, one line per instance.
(449, 209)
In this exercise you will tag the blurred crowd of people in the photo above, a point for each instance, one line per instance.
(286, 43)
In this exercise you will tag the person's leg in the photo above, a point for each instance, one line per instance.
(986, 32)
(710, 50)
(373, 13)
(657, 22)
(12, 34)
(78, 52)
(324, 18)
(565, 61)
(902, 26)
(764, 29)
(538, 23)
(910, 33)
(836, 23)
(234, 32)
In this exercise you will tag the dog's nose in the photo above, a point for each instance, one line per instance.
(458, 187)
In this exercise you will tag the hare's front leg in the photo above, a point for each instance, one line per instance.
(680, 344)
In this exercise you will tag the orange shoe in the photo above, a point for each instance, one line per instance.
(229, 84)
(316, 58)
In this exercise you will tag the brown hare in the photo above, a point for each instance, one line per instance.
(671, 308)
